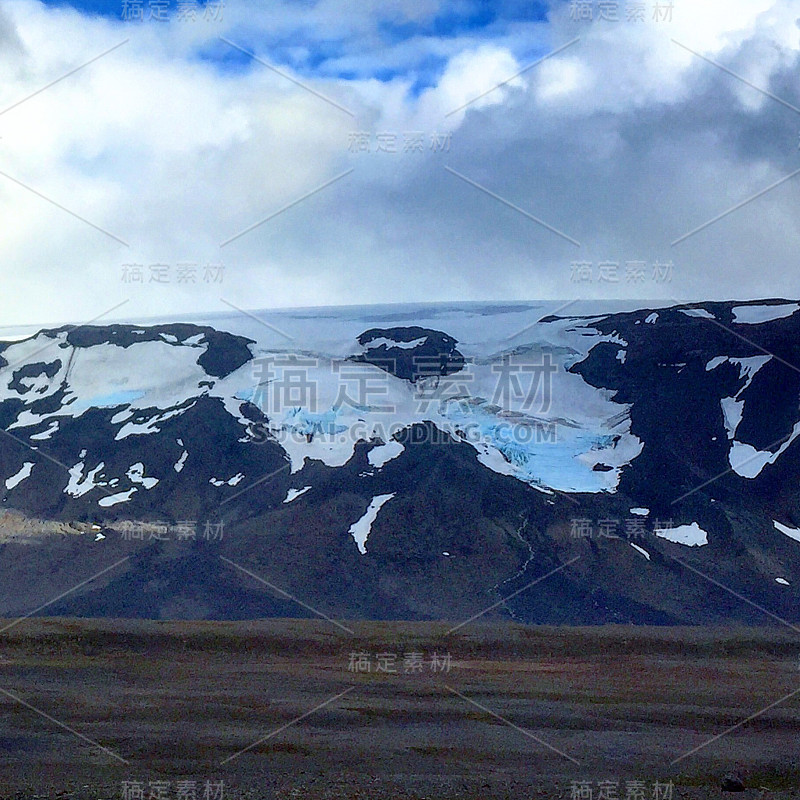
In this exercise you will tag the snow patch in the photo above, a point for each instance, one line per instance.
(230, 482)
(748, 462)
(733, 407)
(384, 453)
(360, 530)
(697, 312)
(20, 476)
(143, 428)
(690, 535)
(382, 340)
(119, 497)
(752, 315)
(792, 533)
(78, 484)
(135, 474)
(749, 366)
(293, 494)
(640, 550)
(178, 465)
(715, 362)
(46, 434)
(732, 411)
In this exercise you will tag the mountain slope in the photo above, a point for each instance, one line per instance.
(408, 462)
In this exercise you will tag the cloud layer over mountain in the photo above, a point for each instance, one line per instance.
(176, 142)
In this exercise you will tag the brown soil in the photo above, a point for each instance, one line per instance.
(248, 708)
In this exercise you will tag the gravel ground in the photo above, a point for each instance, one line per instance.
(301, 709)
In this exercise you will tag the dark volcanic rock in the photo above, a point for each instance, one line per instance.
(224, 354)
(410, 353)
(732, 782)
(455, 537)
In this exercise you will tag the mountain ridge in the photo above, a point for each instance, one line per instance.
(632, 458)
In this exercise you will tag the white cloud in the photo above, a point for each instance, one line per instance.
(624, 141)
(473, 78)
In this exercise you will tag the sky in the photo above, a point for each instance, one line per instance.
(163, 157)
